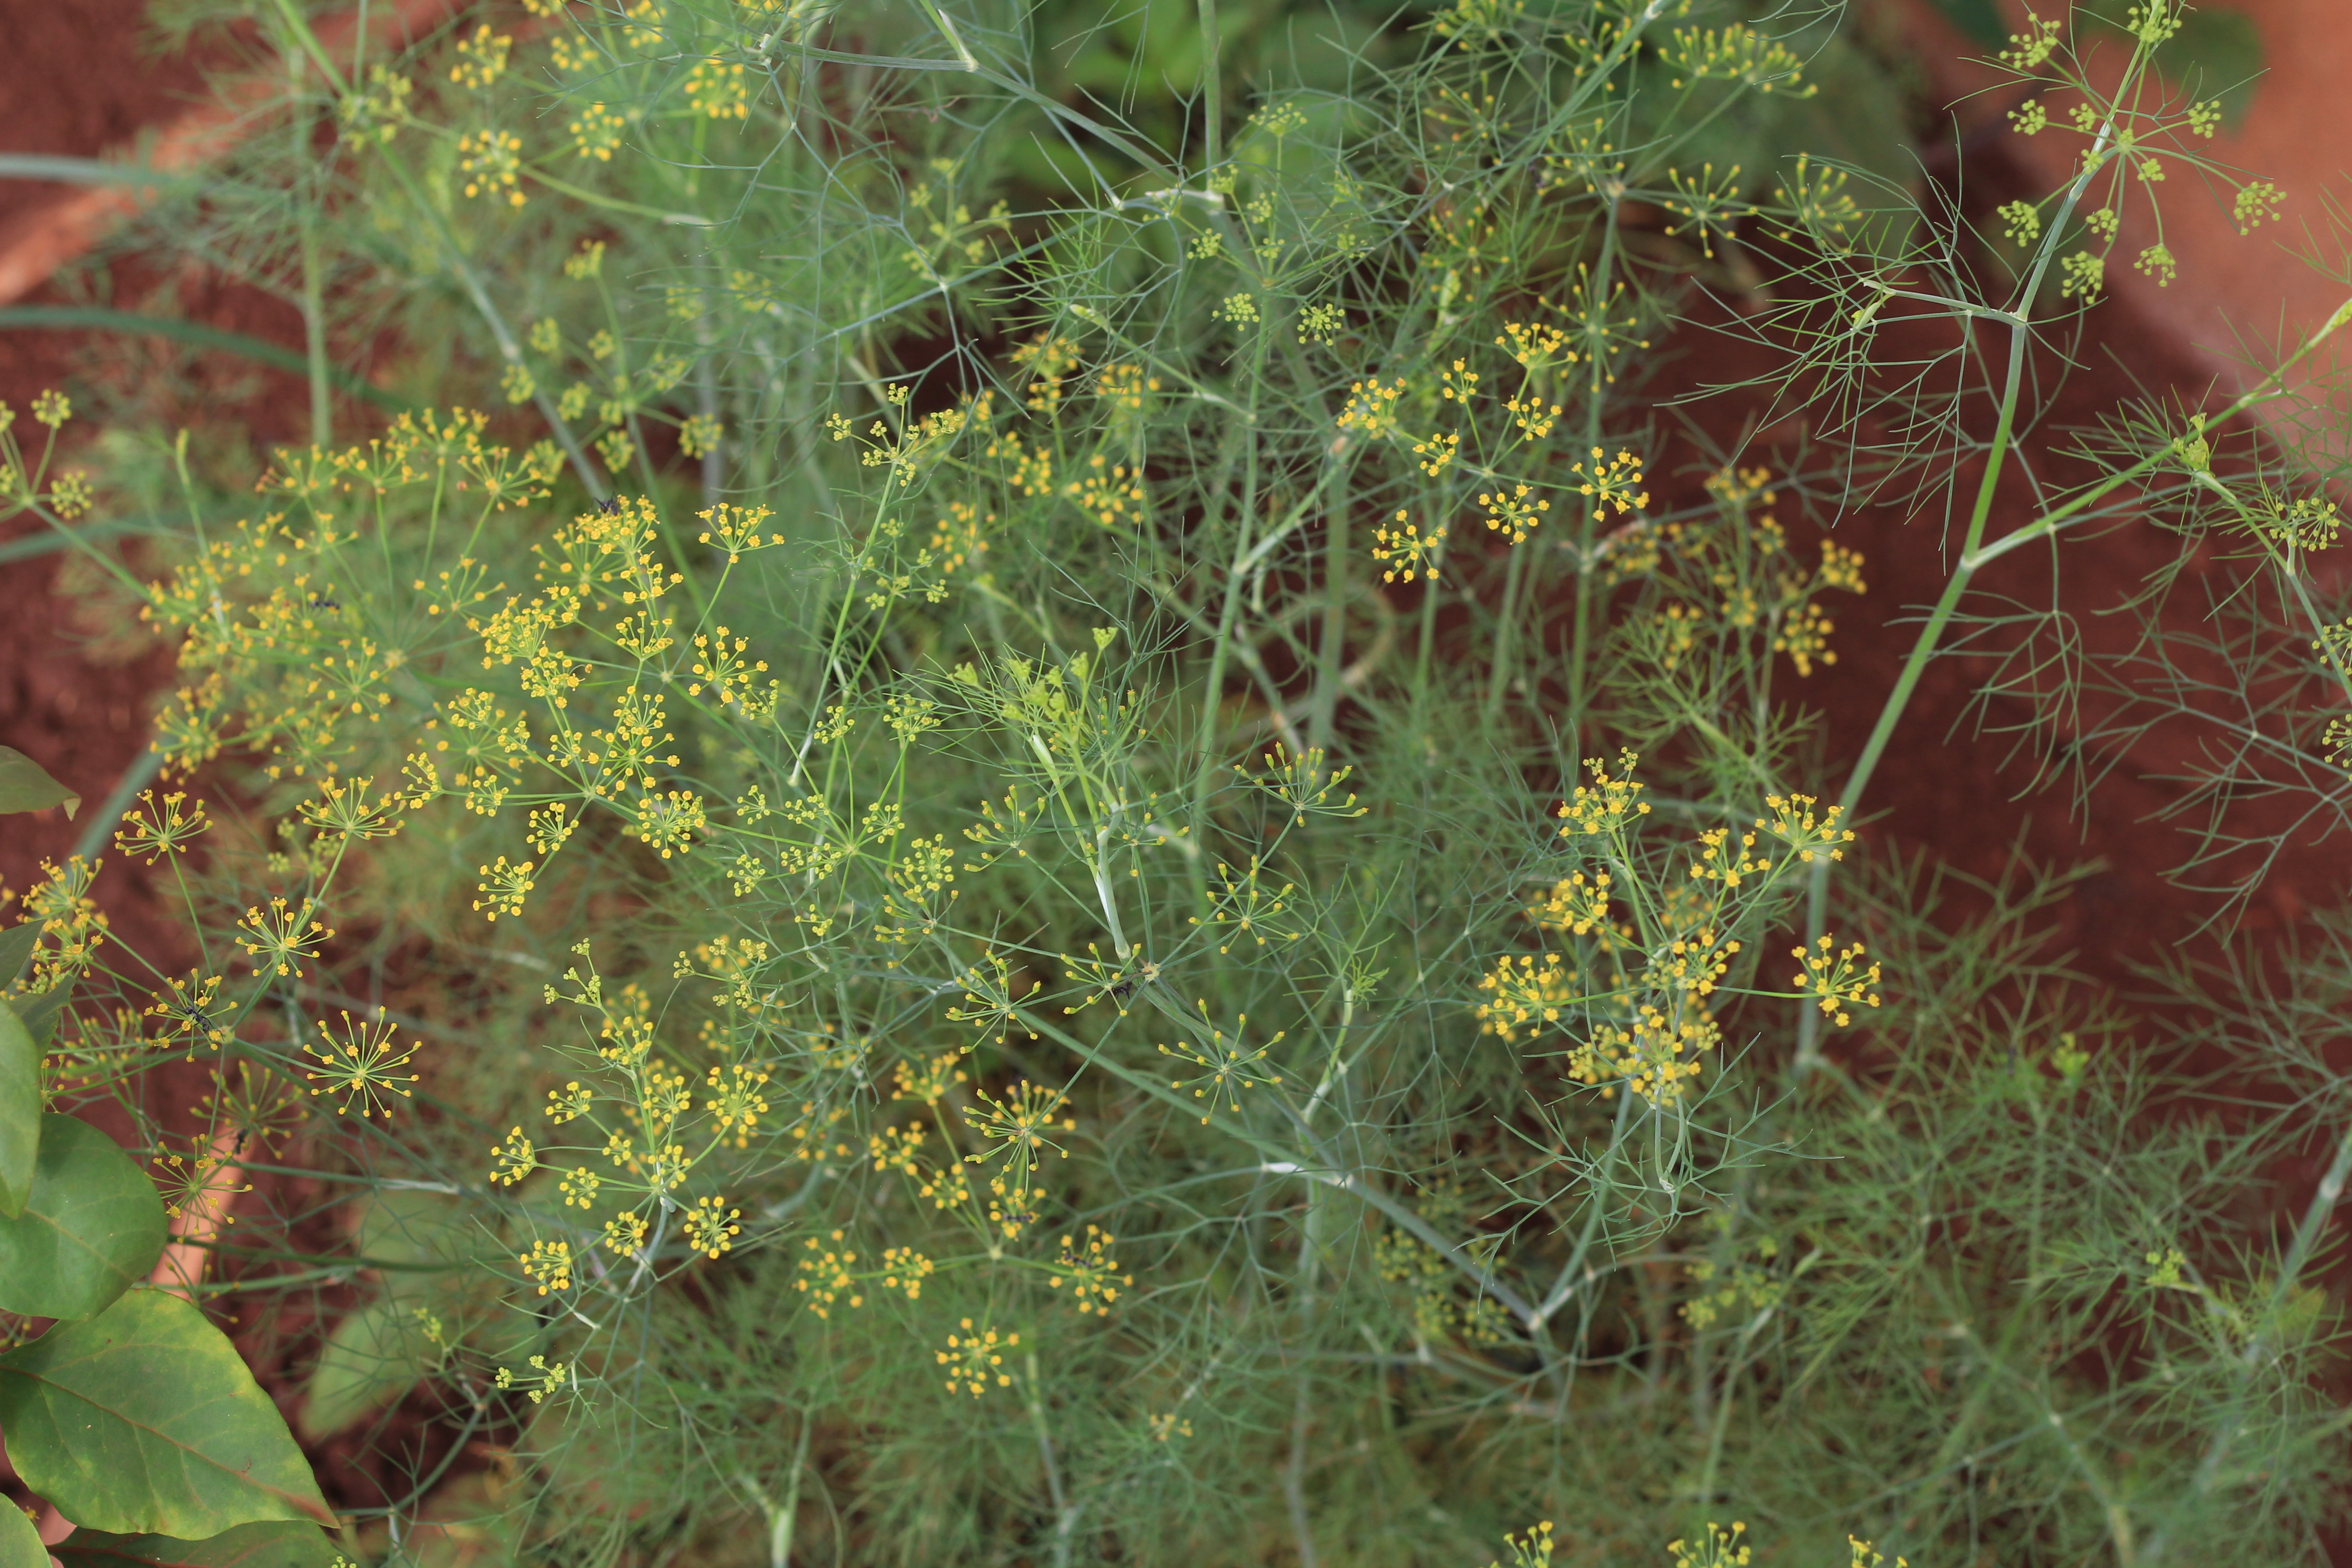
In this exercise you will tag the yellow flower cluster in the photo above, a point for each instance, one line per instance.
(1524, 993)
(1225, 1067)
(482, 59)
(1721, 1548)
(1532, 1549)
(1611, 482)
(718, 89)
(711, 1227)
(975, 1360)
(547, 1265)
(1404, 551)
(1836, 980)
(1090, 1272)
(1608, 803)
(595, 133)
(491, 161)
(1655, 1053)
(1372, 407)
(1511, 514)
(1107, 493)
(361, 1067)
(1575, 906)
(1732, 54)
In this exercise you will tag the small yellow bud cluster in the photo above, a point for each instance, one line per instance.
(1837, 980)
(1404, 551)
(491, 161)
(975, 1358)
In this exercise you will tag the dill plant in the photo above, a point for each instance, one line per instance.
(1100, 871)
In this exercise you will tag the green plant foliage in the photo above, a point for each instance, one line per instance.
(280, 1545)
(2208, 52)
(371, 1356)
(20, 1543)
(143, 1420)
(427, 1254)
(1980, 19)
(90, 1229)
(20, 1111)
(25, 786)
(1040, 817)
(15, 949)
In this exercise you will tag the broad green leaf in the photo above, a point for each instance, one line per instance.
(39, 1014)
(15, 947)
(20, 1111)
(24, 786)
(372, 1357)
(272, 1545)
(144, 1420)
(91, 1227)
(20, 1543)
(379, 1350)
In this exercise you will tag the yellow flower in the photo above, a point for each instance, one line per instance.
(548, 1264)
(1607, 805)
(1837, 980)
(511, 1158)
(596, 133)
(160, 829)
(491, 161)
(1513, 515)
(1091, 1272)
(361, 1067)
(1615, 482)
(711, 1227)
(482, 58)
(1524, 993)
(974, 1359)
(717, 91)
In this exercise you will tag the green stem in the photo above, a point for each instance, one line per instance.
(1331, 648)
(1971, 559)
(1507, 625)
(1212, 87)
(2261, 1345)
(314, 309)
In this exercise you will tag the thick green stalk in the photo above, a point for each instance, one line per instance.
(1922, 649)
(314, 309)
(2020, 339)
(1331, 648)
(1212, 89)
(1580, 635)
(1508, 619)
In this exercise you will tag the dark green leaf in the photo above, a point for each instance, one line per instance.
(15, 947)
(1978, 20)
(91, 1227)
(143, 1419)
(20, 1111)
(20, 1543)
(25, 786)
(39, 1014)
(272, 1545)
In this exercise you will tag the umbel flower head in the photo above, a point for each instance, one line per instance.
(975, 1360)
(361, 1067)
